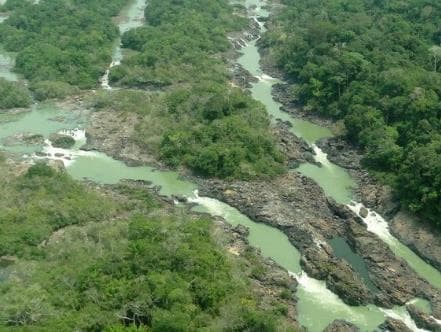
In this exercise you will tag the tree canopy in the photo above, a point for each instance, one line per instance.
(117, 259)
(375, 65)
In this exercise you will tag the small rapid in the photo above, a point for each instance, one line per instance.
(376, 224)
(131, 18)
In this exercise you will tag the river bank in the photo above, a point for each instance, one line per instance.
(422, 237)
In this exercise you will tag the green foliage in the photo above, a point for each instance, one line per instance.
(373, 65)
(200, 122)
(44, 90)
(13, 95)
(178, 44)
(149, 269)
(40, 202)
(221, 133)
(61, 41)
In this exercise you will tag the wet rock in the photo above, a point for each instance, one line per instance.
(363, 212)
(241, 77)
(293, 148)
(297, 206)
(341, 326)
(393, 325)
(180, 199)
(421, 237)
(62, 141)
(242, 230)
(423, 320)
(33, 139)
(338, 275)
(23, 139)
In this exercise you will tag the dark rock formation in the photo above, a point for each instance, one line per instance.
(393, 325)
(423, 320)
(341, 326)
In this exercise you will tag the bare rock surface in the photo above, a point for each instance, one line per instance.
(421, 237)
(297, 205)
(341, 326)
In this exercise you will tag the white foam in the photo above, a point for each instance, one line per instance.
(265, 78)
(375, 223)
(437, 321)
(67, 156)
(77, 134)
(214, 206)
(403, 316)
(105, 80)
(321, 156)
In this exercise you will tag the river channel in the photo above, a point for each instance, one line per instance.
(317, 306)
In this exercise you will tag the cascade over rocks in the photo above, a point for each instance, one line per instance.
(422, 319)
(298, 206)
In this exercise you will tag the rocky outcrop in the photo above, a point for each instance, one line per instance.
(239, 39)
(23, 139)
(341, 326)
(295, 149)
(297, 205)
(241, 77)
(423, 320)
(393, 325)
(111, 132)
(62, 141)
(421, 237)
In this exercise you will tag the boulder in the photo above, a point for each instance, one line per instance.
(364, 212)
(341, 326)
(62, 141)
(393, 325)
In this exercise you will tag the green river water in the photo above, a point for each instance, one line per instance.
(317, 306)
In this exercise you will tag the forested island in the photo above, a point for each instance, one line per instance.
(153, 177)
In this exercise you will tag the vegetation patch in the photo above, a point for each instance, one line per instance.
(376, 66)
(61, 41)
(13, 95)
(116, 260)
(199, 122)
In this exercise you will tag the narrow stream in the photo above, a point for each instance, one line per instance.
(317, 305)
(335, 181)
(131, 17)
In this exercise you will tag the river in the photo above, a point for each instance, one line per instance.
(317, 306)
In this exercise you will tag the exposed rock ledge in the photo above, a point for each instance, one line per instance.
(421, 237)
(341, 326)
(298, 206)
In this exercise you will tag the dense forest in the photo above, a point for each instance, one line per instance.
(13, 94)
(375, 65)
(117, 259)
(67, 43)
(200, 121)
